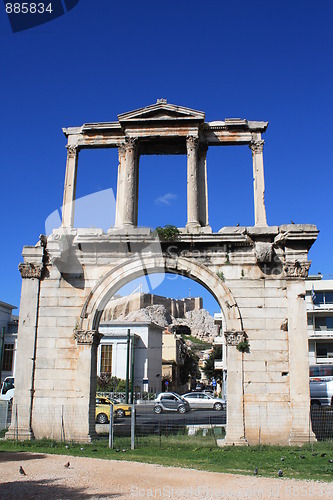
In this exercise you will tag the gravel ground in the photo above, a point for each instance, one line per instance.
(47, 477)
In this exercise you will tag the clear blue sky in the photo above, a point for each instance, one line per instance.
(251, 59)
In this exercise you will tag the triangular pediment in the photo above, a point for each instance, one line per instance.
(162, 111)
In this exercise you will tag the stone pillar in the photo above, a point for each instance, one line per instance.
(86, 378)
(256, 147)
(120, 186)
(300, 431)
(192, 182)
(31, 272)
(68, 206)
(235, 408)
(202, 184)
(128, 199)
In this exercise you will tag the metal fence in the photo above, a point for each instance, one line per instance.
(5, 415)
(144, 427)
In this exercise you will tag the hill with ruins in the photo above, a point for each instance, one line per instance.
(185, 316)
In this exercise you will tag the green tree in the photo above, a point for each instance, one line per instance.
(190, 366)
(209, 369)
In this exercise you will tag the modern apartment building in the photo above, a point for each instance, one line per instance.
(319, 303)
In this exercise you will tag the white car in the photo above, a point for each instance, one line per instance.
(7, 389)
(202, 401)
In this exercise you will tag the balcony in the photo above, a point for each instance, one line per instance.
(218, 365)
(320, 334)
(219, 340)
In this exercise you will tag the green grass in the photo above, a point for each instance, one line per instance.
(197, 342)
(199, 452)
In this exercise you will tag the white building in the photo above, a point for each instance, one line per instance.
(319, 303)
(112, 353)
(221, 364)
(8, 339)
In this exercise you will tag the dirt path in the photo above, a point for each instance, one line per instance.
(47, 477)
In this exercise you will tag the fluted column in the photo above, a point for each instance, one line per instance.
(192, 182)
(202, 184)
(127, 186)
(120, 186)
(235, 408)
(68, 207)
(256, 147)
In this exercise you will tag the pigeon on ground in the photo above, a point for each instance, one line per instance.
(323, 455)
(67, 465)
(117, 450)
(22, 471)
(302, 456)
(282, 459)
(330, 461)
(280, 473)
(255, 472)
(124, 450)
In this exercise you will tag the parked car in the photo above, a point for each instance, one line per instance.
(321, 393)
(203, 401)
(102, 414)
(7, 389)
(170, 401)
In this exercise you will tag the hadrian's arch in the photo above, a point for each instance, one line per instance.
(141, 265)
(256, 273)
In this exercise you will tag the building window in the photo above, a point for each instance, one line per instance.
(324, 323)
(106, 359)
(8, 355)
(324, 350)
(323, 298)
(319, 299)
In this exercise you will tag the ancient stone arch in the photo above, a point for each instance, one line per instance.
(256, 274)
(136, 267)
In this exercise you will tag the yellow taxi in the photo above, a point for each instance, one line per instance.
(102, 414)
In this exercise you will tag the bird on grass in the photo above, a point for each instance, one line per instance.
(280, 473)
(282, 459)
(323, 455)
(302, 456)
(330, 461)
(67, 464)
(255, 472)
(22, 471)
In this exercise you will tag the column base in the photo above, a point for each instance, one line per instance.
(129, 229)
(300, 438)
(193, 227)
(229, 441)
(20, 434)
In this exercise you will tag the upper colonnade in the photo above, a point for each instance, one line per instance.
(164, 128)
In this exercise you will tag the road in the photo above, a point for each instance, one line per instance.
(148, 422)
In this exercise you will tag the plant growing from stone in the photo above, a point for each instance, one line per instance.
(220, 274)
(243, 346)
(167, 232)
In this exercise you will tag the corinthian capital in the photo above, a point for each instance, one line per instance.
(121, 149)
(233, 338)
(72, 151)
(29, 270)
(87, 337)
(130, 143)
(256, 146)
(191, 143)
